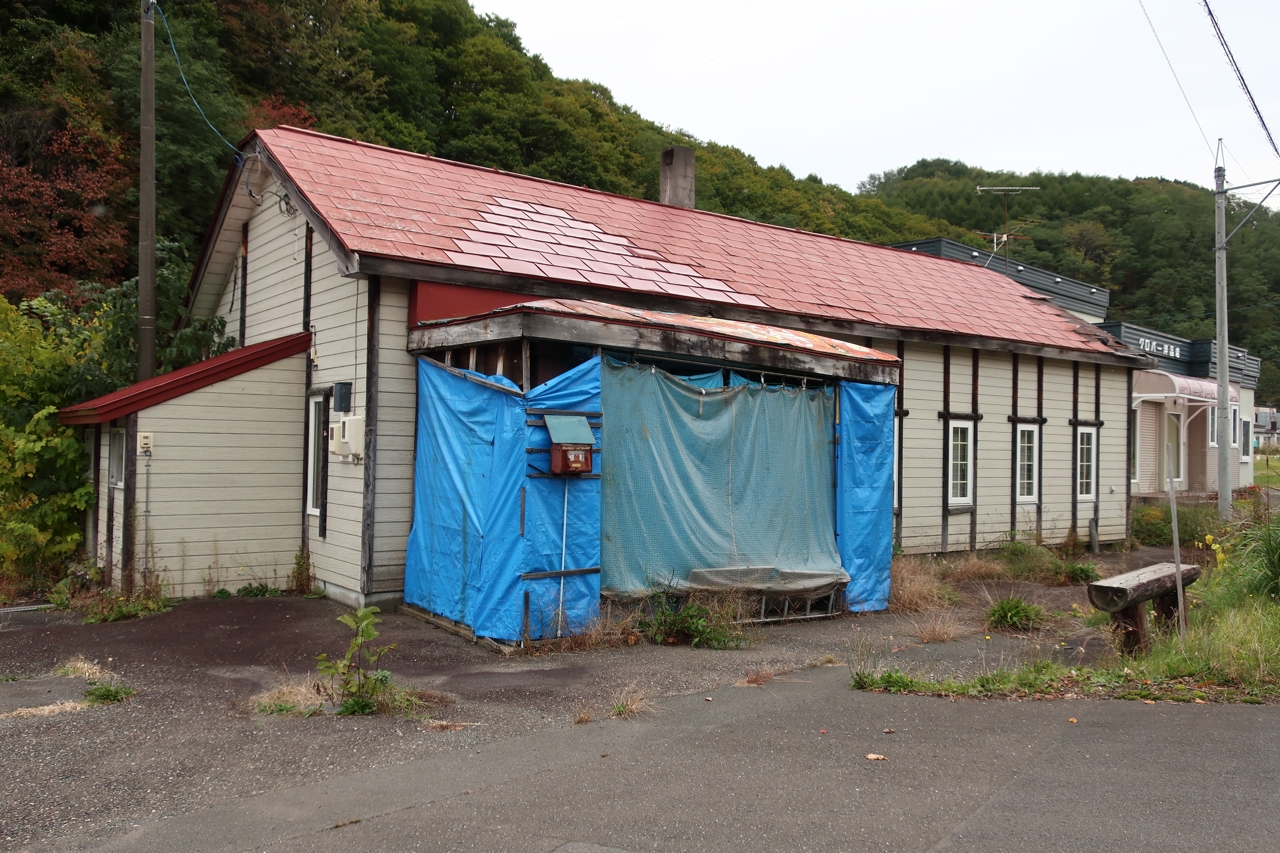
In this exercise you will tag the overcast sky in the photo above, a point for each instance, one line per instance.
(843, 89)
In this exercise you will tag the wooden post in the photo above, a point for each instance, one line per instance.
(1177, 545)
(1131, 625)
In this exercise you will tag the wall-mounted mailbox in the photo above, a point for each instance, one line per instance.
(571, 444)
(342, 396)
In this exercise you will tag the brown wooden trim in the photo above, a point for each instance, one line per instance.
(369, 504)
(1095, 535)
(306, 281)
(1075, 448)
(960, 416)
(1027, 419)
(94, 518)
(1128, 457)
(244, 278)
(128, 526)
(946, 446)
(900, 412)
(322, 525)
(1040, 448)
(542, 289)
(1013, 443)
(973, 456)
(1085, 422)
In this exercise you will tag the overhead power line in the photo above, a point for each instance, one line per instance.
(174, 47)
(1169, 62)
(1226, 48)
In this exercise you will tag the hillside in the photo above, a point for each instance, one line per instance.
(433, 76)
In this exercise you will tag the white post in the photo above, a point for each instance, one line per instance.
(1177, 545)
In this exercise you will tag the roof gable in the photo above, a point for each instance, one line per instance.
(169, 386)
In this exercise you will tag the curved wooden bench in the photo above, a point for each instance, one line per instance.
(1125, 596)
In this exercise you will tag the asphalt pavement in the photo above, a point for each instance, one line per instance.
(783, 767)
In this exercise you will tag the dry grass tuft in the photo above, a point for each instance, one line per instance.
(619, 630)
(973, 566)
(45, 710)
(583, 714)
(628, 703)
(916, 584)
(756, 677)
(826, 660)
(937, 626)
(81, 667)
(293, 695)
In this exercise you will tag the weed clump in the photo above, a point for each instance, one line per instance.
(916, 584)
(105, 693)
(1016, 614)
(708, 622)
(257, 590)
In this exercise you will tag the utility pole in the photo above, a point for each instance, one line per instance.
(147, 201)
(1224, 355)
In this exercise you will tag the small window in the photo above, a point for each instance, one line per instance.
(1246, 446)
(1028, 457)
(961, 463)
(1212, 412)
(1086, 463)
(115, 459)
(1235, 426)
(316, 456)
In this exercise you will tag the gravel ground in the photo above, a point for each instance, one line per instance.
(189, 738)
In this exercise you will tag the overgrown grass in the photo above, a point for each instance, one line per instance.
(1027, 560)
(1152, 525)
(1231, 652)
(107, 693)
(916, 584)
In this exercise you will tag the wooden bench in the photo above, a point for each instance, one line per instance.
(1125, 597)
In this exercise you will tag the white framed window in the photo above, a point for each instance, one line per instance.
(316, 455)
(1172, 437)
(1028, 462)
(1212, 412)
(1086, 463)
(1235, 426)
(115, 458)
(960, 479)
(1246, 444)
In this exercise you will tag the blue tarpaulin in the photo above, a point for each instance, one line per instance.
(466, 551)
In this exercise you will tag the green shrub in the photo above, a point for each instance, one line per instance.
(1153, 526)
(356, 689)
(1016, 614)
(222, 592)
(709, 624)
(106, 694)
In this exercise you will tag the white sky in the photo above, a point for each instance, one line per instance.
(843, 89)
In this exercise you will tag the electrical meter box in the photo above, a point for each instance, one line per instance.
(571, 444)
(352, 434)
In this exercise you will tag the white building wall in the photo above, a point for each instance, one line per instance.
(397, 414)
(224, 504)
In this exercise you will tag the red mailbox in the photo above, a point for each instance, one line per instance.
(572, 443)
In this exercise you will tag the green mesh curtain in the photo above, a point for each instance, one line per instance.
(715, 487)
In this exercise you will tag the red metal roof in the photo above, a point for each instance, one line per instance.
(754, 333)
(158, 389)
(395, 204)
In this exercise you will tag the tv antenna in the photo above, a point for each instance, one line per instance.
(1006, 192)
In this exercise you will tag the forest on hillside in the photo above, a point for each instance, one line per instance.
(434, 77)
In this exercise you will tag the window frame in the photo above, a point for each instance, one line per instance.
(1034, 432)
(1235, 426)
(965, 427)
(1179, 457)
(115, 449)
(1092, 493)
(317, 450)
(1213, 425)
(1246, 440)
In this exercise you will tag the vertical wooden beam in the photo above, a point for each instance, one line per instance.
(946, 446)
(307, 427)
(128, 527)
(1013, 435)
(369, 503)
(524, 365)
(1075, 449)
(902, 428)
(1094, 533)
(94, 517)
(973, 458)
(1128, 454)
(1040, 448)
(322, 524)
(244, 279)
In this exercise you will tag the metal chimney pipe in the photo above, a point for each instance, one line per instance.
(675, 183)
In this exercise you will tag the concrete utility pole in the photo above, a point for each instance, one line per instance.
(147, 201)
(1224, 355)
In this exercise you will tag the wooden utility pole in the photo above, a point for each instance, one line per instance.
(147, 200)
(1223, 414)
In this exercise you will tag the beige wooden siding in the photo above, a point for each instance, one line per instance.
(225, 503)
(1057, 478)
(339, 312)
(1113, 448)
(1246, 416)
(994, 460)
(922, 483)
(397, 409)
